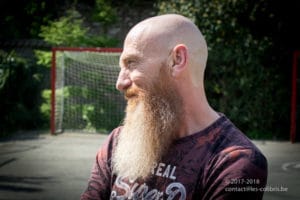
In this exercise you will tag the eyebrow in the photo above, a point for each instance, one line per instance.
(125, 58)
(130, 56)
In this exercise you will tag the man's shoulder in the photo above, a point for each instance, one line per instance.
(231, 136)
(115, 132)
(235, 146)
(231, 142)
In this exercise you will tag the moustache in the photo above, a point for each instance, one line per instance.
(131, 93)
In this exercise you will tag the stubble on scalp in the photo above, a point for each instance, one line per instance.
(150, 126)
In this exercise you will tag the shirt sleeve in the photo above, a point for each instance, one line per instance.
(236, 173)
(100, 181)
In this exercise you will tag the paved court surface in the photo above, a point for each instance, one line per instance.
(41, 166)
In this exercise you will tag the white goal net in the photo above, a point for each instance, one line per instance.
(83, 88)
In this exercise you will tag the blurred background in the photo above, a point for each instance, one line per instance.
(249, 74)
(252, 77)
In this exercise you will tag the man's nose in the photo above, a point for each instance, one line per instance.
(123, 81)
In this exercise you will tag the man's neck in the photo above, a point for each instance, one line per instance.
(198, 114)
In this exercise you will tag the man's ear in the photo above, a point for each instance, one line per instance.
(179, 59)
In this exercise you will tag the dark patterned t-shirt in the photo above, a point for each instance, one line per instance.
(218, 162)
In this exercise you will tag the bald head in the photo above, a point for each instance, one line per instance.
(157, 36)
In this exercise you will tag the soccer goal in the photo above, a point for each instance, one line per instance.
(84, 98)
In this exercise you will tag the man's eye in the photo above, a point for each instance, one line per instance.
(130, 63)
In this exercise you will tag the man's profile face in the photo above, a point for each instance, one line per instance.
(140, 62)
(138, 72)
(153, 113)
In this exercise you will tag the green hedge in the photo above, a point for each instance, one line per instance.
(21, 83)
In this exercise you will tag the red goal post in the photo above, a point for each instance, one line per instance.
(90, 107)
(294, 111)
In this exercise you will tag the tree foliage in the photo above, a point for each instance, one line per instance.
(69, 30)
(105, 13)
(20, 88)
(22, 19)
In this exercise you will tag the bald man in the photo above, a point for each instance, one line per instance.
(172, 144)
